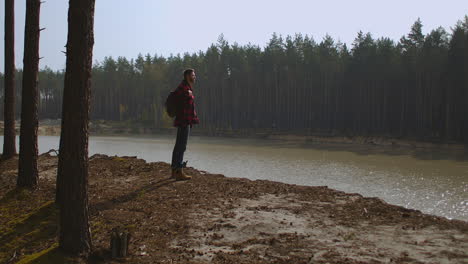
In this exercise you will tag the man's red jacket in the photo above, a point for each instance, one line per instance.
(186, 114)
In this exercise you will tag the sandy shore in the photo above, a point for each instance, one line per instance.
(214, 219)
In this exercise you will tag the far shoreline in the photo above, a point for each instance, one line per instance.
(102, 128)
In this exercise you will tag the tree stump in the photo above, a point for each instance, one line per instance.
(119, 241)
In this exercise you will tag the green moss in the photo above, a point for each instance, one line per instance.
(96, 224)
(96, 227)
(40, 215)
(11, 208)
(28, 230)
(51, 255)
(349, 236)
(15, 194)
(119, 159)
(130, 228)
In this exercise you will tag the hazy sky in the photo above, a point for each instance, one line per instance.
(129, 27)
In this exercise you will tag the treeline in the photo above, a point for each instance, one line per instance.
(416, 87)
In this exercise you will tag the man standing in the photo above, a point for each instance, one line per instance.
(185, 118)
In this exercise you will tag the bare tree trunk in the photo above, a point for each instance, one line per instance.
(9, 139)
(27, 170)
(72, 176)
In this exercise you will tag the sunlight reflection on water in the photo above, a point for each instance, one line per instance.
(435, 183)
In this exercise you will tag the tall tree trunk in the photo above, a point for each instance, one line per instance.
(27, 170)
(9, 139)
(72, 176)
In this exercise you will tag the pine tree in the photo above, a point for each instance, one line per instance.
(414, 88)
(28, 175)
(72, 175)
(9, 138)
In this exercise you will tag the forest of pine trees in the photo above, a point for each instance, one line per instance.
(416, 87)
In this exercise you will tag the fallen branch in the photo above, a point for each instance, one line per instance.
(52, 150)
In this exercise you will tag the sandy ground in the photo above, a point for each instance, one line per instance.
(214, 219)
(287, 228)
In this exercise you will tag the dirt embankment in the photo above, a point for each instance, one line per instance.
(214, 219)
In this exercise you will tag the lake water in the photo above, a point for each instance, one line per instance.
(434, 181)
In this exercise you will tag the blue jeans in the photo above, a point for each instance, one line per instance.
(180, 147)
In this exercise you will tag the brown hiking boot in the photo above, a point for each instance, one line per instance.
(181, 176)
(173, 173)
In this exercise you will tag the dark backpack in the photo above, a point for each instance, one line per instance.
(172, 104)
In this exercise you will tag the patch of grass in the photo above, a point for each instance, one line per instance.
(51, 255)
(119, 159)
(20, 194)
(29, 230)
(130, 228)
(96, 227)
(349, 236)
(10, 208)
(141, 194)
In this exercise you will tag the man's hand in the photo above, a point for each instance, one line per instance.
(189, 92)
